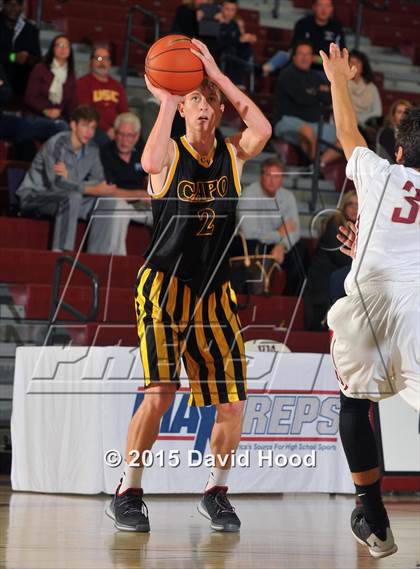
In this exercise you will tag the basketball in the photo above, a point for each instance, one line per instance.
(171, 65)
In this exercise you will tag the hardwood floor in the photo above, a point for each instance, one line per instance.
(50, 531)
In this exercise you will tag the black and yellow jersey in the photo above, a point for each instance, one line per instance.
(194, 216)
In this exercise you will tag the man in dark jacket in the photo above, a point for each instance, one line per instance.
(122, 167)
(299, 96)
(13, 128)
(234, 48)
(319, 28)
(19, 45)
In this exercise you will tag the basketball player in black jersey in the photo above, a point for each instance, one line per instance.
(185, 306)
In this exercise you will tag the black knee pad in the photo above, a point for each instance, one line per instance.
(357, 435)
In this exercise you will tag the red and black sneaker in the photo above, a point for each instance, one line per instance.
(215, 506)
(128, 511)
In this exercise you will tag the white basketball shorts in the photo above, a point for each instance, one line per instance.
(375, 345)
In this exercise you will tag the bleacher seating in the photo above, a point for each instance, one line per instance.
(27, 265)
(28, 269)
(87, 22)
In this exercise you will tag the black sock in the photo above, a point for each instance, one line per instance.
(373, 507)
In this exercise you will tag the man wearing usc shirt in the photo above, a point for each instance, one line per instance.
(100, 90)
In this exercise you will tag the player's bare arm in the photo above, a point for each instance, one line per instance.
(158, 152)
(252, 140)
(339, 73)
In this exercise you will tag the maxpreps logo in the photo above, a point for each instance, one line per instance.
(269, 416)
(284, 415)
(184, 423)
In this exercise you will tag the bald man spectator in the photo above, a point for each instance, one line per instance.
(121, 163)
(100, 90)
(269, 220)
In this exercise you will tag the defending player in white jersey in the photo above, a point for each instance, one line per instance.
(376, 327)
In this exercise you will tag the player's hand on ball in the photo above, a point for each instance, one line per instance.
(162, 94)
(348, 237)
(337, 66)
(210, 66)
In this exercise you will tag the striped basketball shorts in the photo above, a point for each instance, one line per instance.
(204, 332)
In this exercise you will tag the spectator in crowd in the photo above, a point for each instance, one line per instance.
(326, 260)
(363, 91)
(386, 136)
(101, 91)
(120, 159)
(19, 46)
(199, 19)
(51, 92)
(187, 18)
(65, 180)
(366, 102)
(320, 29)
(271, 222)
(234, 48)
(14, 128)
(247, 39)
(299, 96)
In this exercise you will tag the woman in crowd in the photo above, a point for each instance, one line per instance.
(51, 90)
(363, 91)
(327, 259)
(366, 102)
(385, 144)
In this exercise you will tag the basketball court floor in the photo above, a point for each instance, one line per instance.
(51, 531)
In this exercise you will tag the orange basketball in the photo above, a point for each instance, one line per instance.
(172, 66)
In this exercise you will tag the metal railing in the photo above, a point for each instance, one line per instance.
(39, 11)
(246, 64)
(130, 38)
(57, 300)
(361, 5)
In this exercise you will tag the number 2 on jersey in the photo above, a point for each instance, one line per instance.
(414, 201)
(206, 216)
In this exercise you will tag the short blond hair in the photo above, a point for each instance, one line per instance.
(128, 118)
(212, 87)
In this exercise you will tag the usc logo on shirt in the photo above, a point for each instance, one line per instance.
(105, 96)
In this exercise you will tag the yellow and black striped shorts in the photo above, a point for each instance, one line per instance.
(205, 332)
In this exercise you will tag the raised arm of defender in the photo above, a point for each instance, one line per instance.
(252, 140)
(339, 73)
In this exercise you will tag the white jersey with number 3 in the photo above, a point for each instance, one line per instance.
(388, 241)
(376, 328)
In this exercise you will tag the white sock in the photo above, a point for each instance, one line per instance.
(131, 477)
(218, 477)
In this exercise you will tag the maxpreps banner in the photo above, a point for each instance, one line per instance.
(289, 442)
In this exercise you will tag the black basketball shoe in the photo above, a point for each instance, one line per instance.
(215, 506)
(128, 511)
(379, 542)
